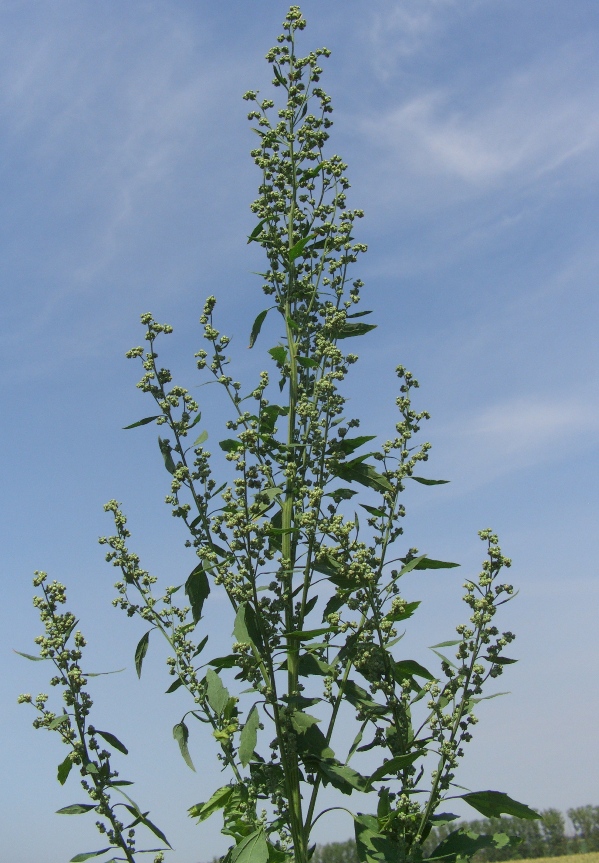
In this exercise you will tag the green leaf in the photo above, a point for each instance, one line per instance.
(279, 354)
(181, 735)
(348, 445)
(500, 660)
(249, 737)
(230, 445)
(424, 481)
(257, 326)
(64, 768)
(198, 417)
(307, 362)
(492, 804)
(377, 513)
(114, 741)
(218, 694)
(58, 721)
(257, 231)
(80, 858)
(446, 644)
(342, 777)
(142, 422)
(312, 746)
(201, 439)
(312, 172)
(409, 609)
(90, 767)
(155, 830)
(103, 673)
(302, 721)
(174, 686)
(349, 329)
(427, 563)
(410, 668)
(141, 650)
(372, 846)
(296, 250)
(76, 809)
(390, 768)
(412, 564)
(197, 589)
(252, 849)
(229, 661)
(219, 799)
(308, 634)
(32, 658)
(165, 449)
(340, 494)
(245, 628)
(357, 471)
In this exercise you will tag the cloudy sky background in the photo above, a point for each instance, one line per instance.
(471, 129)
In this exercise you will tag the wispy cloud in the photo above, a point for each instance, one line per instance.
(531, 124)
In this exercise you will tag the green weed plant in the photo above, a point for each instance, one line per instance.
(305, 537)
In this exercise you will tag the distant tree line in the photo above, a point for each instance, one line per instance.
(547, 838)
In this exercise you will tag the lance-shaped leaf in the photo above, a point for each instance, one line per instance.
(245, 628)
(342, 777)
(142, 422)
(141, 650)
(296, 250)
(348, 445)
(428, 563)
(218, 694)
(174, 686)
(492, 804)
(165, 449)
(408, 610)
(372, 846)
(219, 799)
(464, 843)
(32, 658)
(114, 741)
(350, 329)
(202, 438)
(424, 481)
(410, 668)
(80, 858)
(302, 721)
(64, 768)
(309, 634)
(251, 849)
(365, 474)
(181, 735)
(76, 809)
(257, 326)
(391, 767)
(249, 737)
(257, 230)
(230, 445)
(197, 589)
(58, 721)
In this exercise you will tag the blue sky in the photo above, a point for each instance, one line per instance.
(471, 129)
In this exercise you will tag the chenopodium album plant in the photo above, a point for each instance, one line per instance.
(315, 590)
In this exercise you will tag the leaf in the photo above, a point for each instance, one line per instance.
(349, 329)
(296, 250)
(141, 650)
(114, 741)
(257, 326)
(218, 694)
(348, 445)
(342, 777)
(165, 449)
(64, 768)
(257, 231)
(412, 564)
(302, 721)
(341, 494)
(76, 809)
(201, 439)
(142, 422)
(428, 563)
(378, 513)
(411, 668)
(279, 354)
(312, 172)
(103, 673)
(357, 471)
(229, 661)
(80, 858)
(155, 830)
(252, 849)
(390, 768)
(197, 589)
(308, 634)
(245, 628)
(424, 481)
(230, 445)
(219, 799)
(249, 737)
(307, 362)
(492, 804)
(501, 660)
(174, 686)
(446, 644)
(58, 721)
(372, 846)
(32, 658)
(312, 746)
(181, 735)
(409, 609)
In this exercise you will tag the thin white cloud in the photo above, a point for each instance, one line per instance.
(532, 123)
